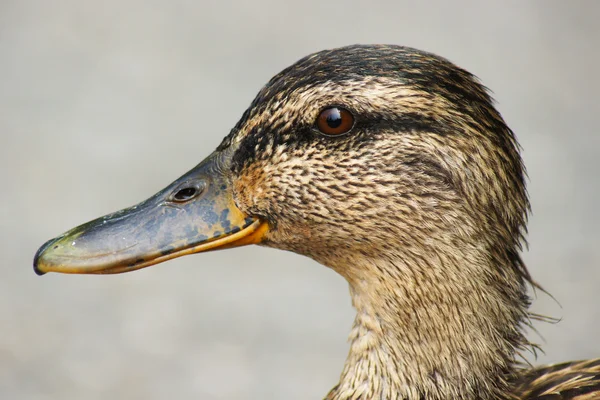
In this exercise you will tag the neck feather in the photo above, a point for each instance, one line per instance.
(446, 326)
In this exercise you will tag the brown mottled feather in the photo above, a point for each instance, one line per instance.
(421, 207)
(578, 380)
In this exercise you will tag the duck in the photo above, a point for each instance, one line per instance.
(393, 167)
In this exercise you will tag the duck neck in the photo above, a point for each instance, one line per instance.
(446, 327)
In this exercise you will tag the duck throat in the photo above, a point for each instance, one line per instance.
(446, 327)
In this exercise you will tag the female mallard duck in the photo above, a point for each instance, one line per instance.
(391, 166)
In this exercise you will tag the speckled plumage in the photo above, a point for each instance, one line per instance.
(418, 201)
(422, 207)
(573, 380)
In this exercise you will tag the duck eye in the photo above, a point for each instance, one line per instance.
(185, 194)
(335, 121)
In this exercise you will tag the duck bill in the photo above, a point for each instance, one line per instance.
(195, 213)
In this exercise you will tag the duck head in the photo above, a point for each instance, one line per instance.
(389, 165)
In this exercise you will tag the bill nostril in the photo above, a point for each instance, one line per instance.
(187, 193)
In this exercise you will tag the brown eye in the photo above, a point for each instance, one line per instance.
(335, 121)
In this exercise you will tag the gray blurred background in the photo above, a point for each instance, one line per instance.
(103, 103)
